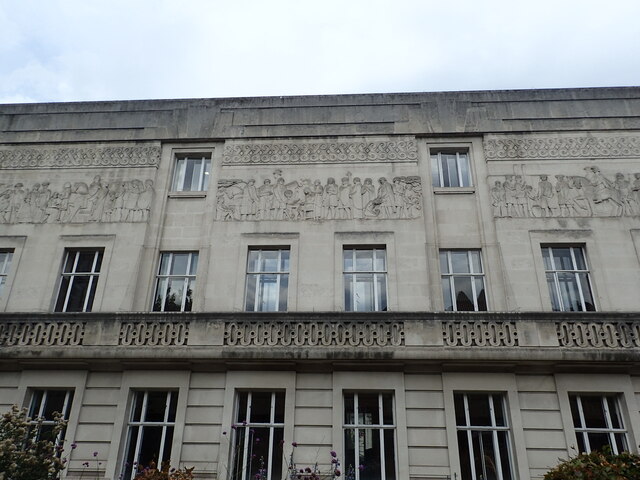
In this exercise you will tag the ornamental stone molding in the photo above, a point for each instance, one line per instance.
(307, 199)
(529, 147)
(313, 334)
(479, 333)
(154, 333)
(41, 333)
(598, 334)
(589, 193)
(398, 149)
(76, 202)
(147, 155)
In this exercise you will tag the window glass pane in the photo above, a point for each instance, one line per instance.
(389, 455)
(505, 462)
(175, 293)
(546, 258)
(381, 286)
(70, 259)
(260, 407)
(444, 261)
(459, 261)
(458, 401)
(150, 446)
(465, 454)
(452, 171)
(64, 286)
(347, 257)
(279, 413)
(284, 260)
(363, 292)
(350, 453)
(465, 174)
(269, 260)
(621, 442)
(599, 440)
(188, 301)
(498, 411)
(284, 289)
(476, 264)
(586, 291)
(207, 174)
(464, 294)
(85, 262)
(194, 264)
(79, 288)
(481, 298)
(348, 293)
(579, 257)
(575, 413)
(252, 262)
(569, 291)
(487, 457)
(368, 409)
(553, 292)
(562, 258)
(180, 261)
(55, 403)
(387, 409)
(156, 403)
(592, 409)
(364, 260)
(446, 291)
(479, 413)
(268, 293)
(165, 262)
(173, 405)
(380, 262)
(614, 412)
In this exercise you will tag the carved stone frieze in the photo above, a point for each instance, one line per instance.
(522, 147)
(154, 333)
(402, 149)
(78, 157)
(598, 334)
(41, 333)
(312, 334)
(592, 194)
(77, 202)
(307, 199)
(479, 333)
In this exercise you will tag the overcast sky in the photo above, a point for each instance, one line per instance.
(71, 50)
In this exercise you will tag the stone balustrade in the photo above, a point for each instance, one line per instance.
(410, 336)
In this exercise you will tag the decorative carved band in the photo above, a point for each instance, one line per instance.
(480, 334)
(598, 335)
(311, 334)
(79, 157)
(77, 202)
(306, 199)
(397, 150)
(41, 333)
(591, 195)
(153, 334)
(527, 147)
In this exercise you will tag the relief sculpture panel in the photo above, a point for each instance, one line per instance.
(590, 194)
(77, 202)
(350, 197)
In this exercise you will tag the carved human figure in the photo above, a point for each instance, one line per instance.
(521, 196)
(387, 198)
(356, 198)
(17, 208)
(498, 199)
(368, 192)
(250, 200)
(564, 197)
(97, 194)
(603, 190)
(5, 203)
(545, 194)
(145, 199)
(318, 196)
(624, 191)
(412, 196)
(510, 195)
(398, 186)
(32, 214)
(330, 199)
(279, 203)
(44, 196)
(635, 190)
(345, 203)
(265, 194)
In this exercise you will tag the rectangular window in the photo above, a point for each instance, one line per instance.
(44, 407)
(568, 279)
(258, 433)
(462, 280)
(450, 169)
(175, 282)
(598, 423)
(483, 436)
(369, 436)
(267, 280)
(192, 173)
(80, 272)
(5, 263)
(365, 279)
(150, 430)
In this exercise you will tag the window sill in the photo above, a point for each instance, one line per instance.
(453, 190)
(187, 194)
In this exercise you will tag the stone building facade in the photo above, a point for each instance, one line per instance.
(432, 285)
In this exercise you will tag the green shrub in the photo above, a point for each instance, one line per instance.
(598, 466)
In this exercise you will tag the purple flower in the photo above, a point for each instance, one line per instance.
(294, 444)
(244, 423)
(224, 433)
(361, 467)
(74, 445)
(333, 453)
(337, 472)
(308, 470)
(85, 464)
(95, 454)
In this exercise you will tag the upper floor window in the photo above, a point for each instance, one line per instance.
(598, 423)
(568, 279)
(192, 173)
(175, 282)
(150, 430)
(45, 406)
(450, 169)
(462, 280)
(369, 435)
(267, 280)
(483, 436)
(365, 279)
(5, 263)
(258, 436)
(79, 281)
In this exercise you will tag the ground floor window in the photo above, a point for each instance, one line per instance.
(150, 431)
(258, 433)
(45, 406)
(369, 436)
(598, 423)
(483, 436)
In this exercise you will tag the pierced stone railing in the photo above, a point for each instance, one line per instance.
(598, 334)
(154, 333)
(41, 333)
(480, 333)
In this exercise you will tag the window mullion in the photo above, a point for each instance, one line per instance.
(440, 169)
(583, 423)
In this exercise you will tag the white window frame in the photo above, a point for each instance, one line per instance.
(371, 429)
(257, 274)
(493, 428)
(178, 184)
(189, 279)
(557, 293)
(451, 276)
(36, 412)
(142, 424)
(98, 253)
(246, 425)
(462, 158)
(377, 294)
(582, 431)
(6, 255)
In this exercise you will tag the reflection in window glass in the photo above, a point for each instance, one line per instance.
(175, 282)
(192, 174)
(598, 423)
(365, 279)
(267, 284)
(568, 279)
(44, 407)
(450, 169)
(79, 280)
(463, 285)
(5, 263)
